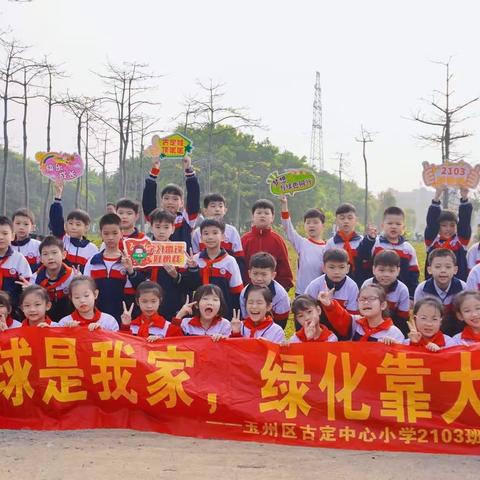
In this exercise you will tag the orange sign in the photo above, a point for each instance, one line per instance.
(452, 174)
(147, 253)
(172, 146)
(355, 395)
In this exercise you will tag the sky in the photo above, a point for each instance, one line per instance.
(376, 61)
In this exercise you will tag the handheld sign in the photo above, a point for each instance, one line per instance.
(174, 146)
(147, 253)
(452, 174)
(60, 166)
(291, 181)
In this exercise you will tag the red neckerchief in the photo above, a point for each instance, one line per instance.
(2, 261)
(144, 323)
(46, 320)
(195, 322)
(9, 321)
(52, 287)
(437, 339)
(207, 269)
(324, 335)
(446, 243)
(316, 242)
(348, 248)
(369, 331)
(248, 322)
(86, 321)
(469, 334)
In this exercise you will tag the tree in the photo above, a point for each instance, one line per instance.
(446, 118)
(366, 137)
(126, 86)
(12, 64)
(209, 112)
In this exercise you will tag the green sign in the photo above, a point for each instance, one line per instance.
(291, 181)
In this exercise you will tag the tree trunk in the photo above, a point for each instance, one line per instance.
(26, 196)
(366, 185)
(86, 166)
(79, 148)
(49, 183)
(3, 203)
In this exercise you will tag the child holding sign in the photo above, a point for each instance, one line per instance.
(447, 230)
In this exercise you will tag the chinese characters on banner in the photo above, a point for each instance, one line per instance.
(344, 395)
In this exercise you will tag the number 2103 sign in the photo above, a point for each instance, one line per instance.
(452, 174)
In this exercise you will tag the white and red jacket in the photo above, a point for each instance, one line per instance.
(193, 326)
(266, 329)
(325, 336)
(157, 325)
(106, 321)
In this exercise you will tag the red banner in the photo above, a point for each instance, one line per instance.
(341, 395)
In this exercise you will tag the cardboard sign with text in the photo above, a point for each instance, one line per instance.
(147, 253)
(291, 181)
(60, 166)
(452, 174)
(174, 146)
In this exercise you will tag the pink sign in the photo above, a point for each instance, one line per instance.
(60, 166)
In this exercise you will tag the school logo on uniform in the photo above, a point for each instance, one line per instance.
(65, 290)
(223, 271)
(123, 271)
(12, 271)
(30, 255)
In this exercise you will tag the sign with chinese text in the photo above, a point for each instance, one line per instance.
(173, 146)
(60, 166)
(147, 253)
(351, 395)
(451, 174)
(290, 182)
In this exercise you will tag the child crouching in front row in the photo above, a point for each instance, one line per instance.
(467, 309)
(307, 313)
(6, 320)
(83, 292)
(149, 324)
(259, 322)
(371, 325)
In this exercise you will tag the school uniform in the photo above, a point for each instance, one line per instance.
(451, 325)
(439, 339)
(47, 320)
(13, 265)
(350, 243)
(346, 291)
(280, 303)
(193, 326)
(185, 220)
(473, 256)
(28, 247)
(409, 271)
(357, 327)
(458, 243)
(310, 255)
(473, 279)
(267, 329)
(467, 337)
(222, 271)
(157, 325)
(106, 321)
(398, 301)
(78, 250)
(113, 283)
(57, 289)
(231, 243)
(325, 336)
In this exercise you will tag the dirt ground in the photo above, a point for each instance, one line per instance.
(124, 454)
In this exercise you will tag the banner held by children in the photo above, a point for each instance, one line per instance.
(451, 174)
(60, 166)
(356, 395)
(174, 146)
(147, 253)
(291, 181)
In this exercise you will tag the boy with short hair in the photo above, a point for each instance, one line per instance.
(261, 271)
(445, 230)
(113, 273)
(348, 239)
(176, 282)
(444, 285)
(172, 201)
(13, 265)
(310, 250)
(386, 269)
(54, 276)
(215, 206)
(77, 247)
(261, 238)
(393, 227)
(129, 211)
(216, 266)
(345, 290)
(23, 225)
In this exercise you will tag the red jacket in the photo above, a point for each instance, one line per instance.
(266, 240)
